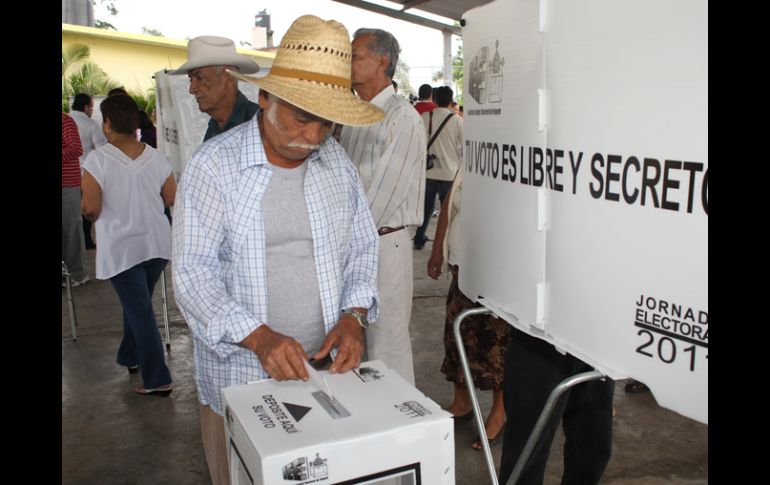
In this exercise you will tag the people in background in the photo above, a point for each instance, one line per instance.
(91, 137)
(425, 101)
(390, 157)
(126, 185)
(446, 131)
(217, 94)
(73, 247)
(533, 369)
(275, 251)
(485, 337)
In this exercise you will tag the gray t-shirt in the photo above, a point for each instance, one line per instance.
(293, 298)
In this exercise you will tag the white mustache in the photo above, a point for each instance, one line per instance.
(303, 146)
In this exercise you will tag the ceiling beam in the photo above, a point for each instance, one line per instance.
(412, 4)
(407, 17)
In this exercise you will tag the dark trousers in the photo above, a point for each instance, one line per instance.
(141, 344)
(432, 187)
(533, 368)
(87, 232)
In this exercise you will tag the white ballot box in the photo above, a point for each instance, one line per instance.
(375, 429)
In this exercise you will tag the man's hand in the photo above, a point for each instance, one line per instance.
(281, 356)
(348, 337)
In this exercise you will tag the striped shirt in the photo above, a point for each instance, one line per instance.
(219, 250)
(71, 149)
(390, 157)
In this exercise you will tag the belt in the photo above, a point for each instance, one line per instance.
(387, 230)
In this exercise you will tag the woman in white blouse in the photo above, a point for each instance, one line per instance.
(126, 186)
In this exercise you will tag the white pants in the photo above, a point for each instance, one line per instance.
(388, 338)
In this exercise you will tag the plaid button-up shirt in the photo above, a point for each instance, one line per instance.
(219, 269)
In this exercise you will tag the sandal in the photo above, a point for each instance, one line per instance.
(492, 441)
(636, 387)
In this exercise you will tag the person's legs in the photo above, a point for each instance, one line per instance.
(444, 186)
(72, 241)
(388, 338)
(431, 188)
(587, 430)
(128, 354)
(495, 422)
(134, 292)
(533, 368)
(87, 233)
(214, 445)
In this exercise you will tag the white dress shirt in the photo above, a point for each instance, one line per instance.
(219, 250)
(91, 134)
(390, 157)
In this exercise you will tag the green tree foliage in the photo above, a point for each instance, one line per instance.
(401, 77)
(149, 31)
(457, 74)
(145, 100)
(88, 78)
(111, 9)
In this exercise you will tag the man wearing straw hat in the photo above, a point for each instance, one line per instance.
(390, 157)
(274, 247)
(217, 93)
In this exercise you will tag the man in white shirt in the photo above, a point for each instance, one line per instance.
(448, 149)
(91, 137)
(390, 157)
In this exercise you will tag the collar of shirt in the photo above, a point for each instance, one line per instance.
(253, 144)
(383, 96)
(243, 111)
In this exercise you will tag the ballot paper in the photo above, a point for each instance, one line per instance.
(375, 428)
(318, 380)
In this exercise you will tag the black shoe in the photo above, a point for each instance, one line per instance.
(133, 369)
(160, 392)
(636, 387)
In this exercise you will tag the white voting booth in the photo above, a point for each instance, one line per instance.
(375, 429)
(180, 124)
(586, 183)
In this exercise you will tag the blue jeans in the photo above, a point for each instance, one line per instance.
(432, 187)
(533, 368)
(141, 344)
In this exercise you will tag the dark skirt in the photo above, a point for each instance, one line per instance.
(485, 338)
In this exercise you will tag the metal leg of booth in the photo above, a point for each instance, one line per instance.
(472, 390)
(545, 414)
(165, 308)
(70, 301)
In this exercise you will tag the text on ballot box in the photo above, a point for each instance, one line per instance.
(376, 429)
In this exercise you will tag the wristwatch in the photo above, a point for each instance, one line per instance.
(361, 317)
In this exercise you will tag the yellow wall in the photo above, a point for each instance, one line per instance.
(132, 59)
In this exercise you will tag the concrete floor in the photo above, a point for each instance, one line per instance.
(112, 436)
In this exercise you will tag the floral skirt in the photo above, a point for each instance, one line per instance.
(485, 338)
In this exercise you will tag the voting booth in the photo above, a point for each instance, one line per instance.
(585, 206)
(375, 428)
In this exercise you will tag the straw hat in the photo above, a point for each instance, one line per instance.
(209, 50)
(311, 71)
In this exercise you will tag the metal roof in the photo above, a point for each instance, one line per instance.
(410, 10)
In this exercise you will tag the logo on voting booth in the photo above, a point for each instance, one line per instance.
(486, 76)
(304, 468)
(671, 332)
(368, 374)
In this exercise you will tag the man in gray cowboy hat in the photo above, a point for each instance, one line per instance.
(274, 247)
(217, 93)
